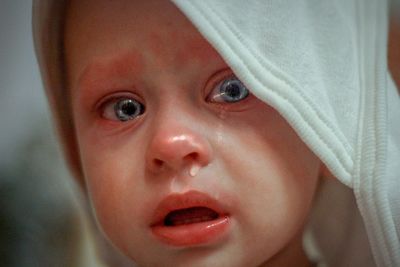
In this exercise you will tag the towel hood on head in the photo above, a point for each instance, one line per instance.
(323, 66)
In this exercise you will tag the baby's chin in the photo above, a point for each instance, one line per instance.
(226, 255)
(231, 252)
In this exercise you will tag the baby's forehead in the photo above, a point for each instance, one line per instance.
(159, 23)
(132, 32)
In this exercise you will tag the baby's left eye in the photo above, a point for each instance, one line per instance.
(230, 90)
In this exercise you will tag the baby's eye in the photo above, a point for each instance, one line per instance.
(230, 90)
(123, 109)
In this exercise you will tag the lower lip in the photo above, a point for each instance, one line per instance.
(192, 234)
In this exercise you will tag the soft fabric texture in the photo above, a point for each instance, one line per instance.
(322, 65)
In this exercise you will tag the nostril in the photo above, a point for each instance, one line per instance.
(192, 157)
(158, 162)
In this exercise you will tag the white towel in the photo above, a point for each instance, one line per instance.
(322, 64)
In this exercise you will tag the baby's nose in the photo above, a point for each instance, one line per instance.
(176, 148)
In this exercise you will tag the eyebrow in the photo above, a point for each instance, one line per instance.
(99, 69)
(101, 75)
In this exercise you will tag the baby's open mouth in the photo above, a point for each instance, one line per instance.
(190, 219)
(190, 216)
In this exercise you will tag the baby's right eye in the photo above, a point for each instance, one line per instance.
(123, 109)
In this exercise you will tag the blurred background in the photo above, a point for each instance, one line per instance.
(44, 219)
(41, 218)
(41, 221)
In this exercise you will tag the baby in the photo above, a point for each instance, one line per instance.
(164, 129)
(183, 164)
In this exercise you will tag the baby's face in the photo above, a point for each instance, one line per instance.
(184, 166)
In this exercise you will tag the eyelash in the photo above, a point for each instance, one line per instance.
(112, 108)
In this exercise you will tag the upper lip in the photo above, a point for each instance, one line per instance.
(186, 200)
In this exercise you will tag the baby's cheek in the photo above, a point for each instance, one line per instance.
(113, 205)
(104, 191)
(273, 167)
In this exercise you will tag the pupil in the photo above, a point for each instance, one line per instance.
(233, 90)
(128, 108)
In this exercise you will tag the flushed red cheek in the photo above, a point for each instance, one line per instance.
(111, 197)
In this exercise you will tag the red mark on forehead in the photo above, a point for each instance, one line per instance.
(123, 65)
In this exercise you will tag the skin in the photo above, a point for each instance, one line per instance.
(123, 48)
